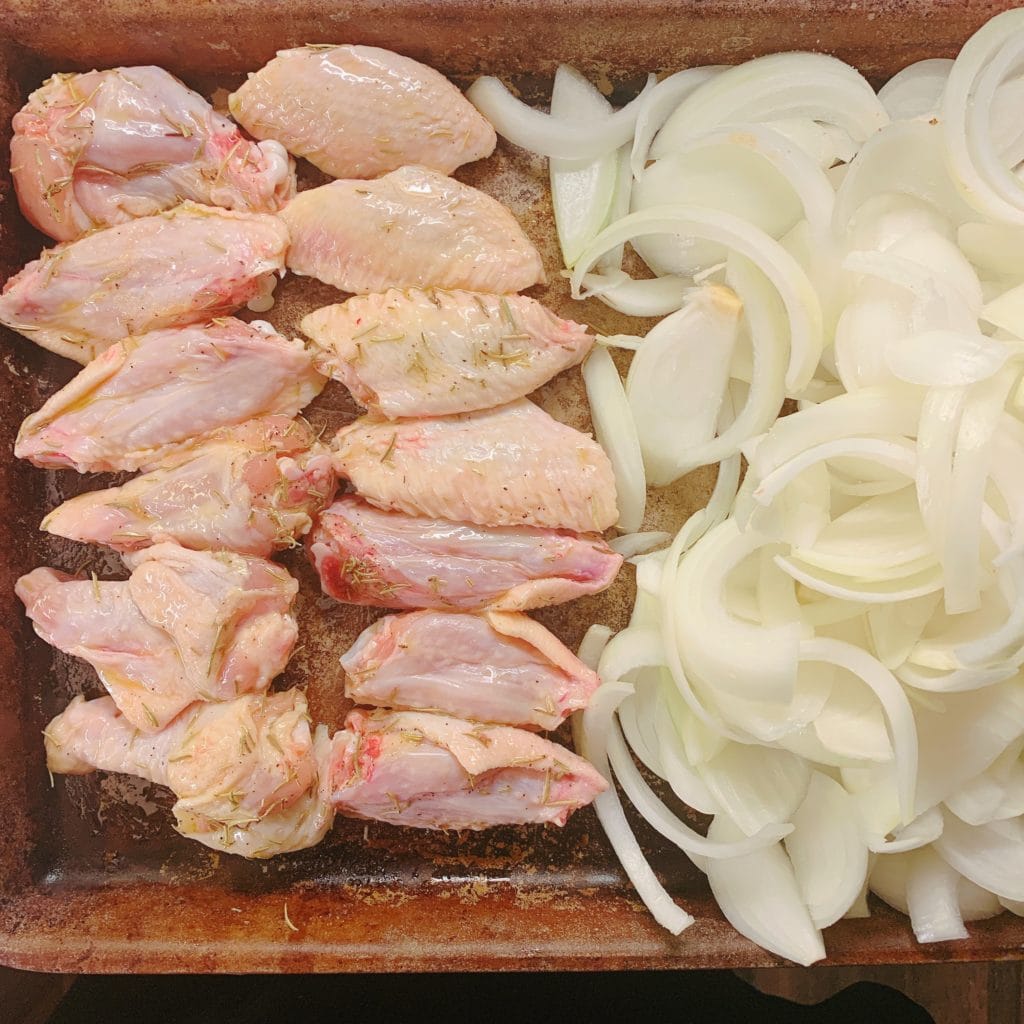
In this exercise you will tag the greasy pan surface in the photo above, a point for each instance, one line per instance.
(92, 877)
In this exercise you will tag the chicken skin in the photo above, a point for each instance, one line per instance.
(359, 111)
(143, 397)
(184, 266)
(501, 667)
(252, 489)
(390, 560)
(436, 772)
(433, 353)
(413, 228)
(514, 465)
(187, 626)
(100, 148)
(246, 772)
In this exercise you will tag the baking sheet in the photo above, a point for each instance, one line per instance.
(92, 876)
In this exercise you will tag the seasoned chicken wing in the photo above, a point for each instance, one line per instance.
(366, 556)
(143, 397)
(246, 772)
(432, 771)
(501, 667)
(181, 267)
(99, 148)
(432, 353)
(359, 111)
(253, 489)
(187, 626)
(413, 228)
(514, 465)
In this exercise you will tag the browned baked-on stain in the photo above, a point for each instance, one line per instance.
(92, 876)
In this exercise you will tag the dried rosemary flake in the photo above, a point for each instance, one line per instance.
(246, 744)
(417, 365)
(95, 585)
(506, 315)
(366, 330)
(545, 795)
(150, 717)
(386, 457)
(215, 649)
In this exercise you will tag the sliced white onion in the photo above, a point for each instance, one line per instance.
(656, 105)
(906, 158)
(985, 854)
(949, 359)
(779, 267)
(631, 544)
(616, 432)
(829, 858)
(977, 167)
(760, 898)
(756, 786)
(932, 888)
(781, 85)
(651, 297)
(902, 730)
(692, 346)
(594, 641)
(662, 820)
(581, 190)
(590, 732)
(553, 136)
(916, 91)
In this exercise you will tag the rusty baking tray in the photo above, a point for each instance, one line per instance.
(92, 877)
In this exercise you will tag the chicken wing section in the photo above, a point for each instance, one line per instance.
(433, 353)
(502, 667)
(144, 396)
(187, 626)
(366, 556)
(181, 267)
(359, 111)
(246, 772)
(436, 772)
(514, 465)
(253, 489)
(100, 148)
(412, 228)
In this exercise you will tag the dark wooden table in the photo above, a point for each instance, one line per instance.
(950, 993)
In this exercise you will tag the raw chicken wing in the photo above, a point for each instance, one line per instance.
(253, 489)
(514, 465)
(359, 111)
(181, 267)
(246, 772)
(102, 147)
(366, 556)
(432, 353)
(432, 771)
(143, 396)
(187, 626)
(499, 667)
(413, 228)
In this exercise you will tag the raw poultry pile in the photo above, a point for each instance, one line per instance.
(466, 503)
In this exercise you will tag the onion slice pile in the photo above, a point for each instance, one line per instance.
(828, 658)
